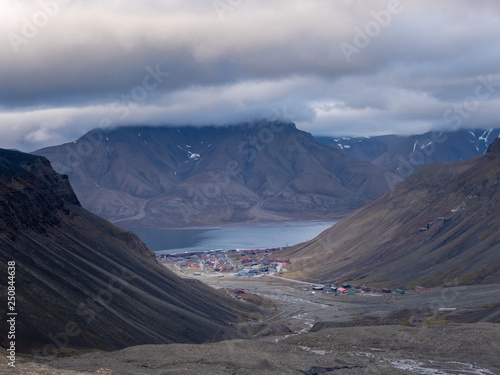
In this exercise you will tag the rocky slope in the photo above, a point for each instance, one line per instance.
(438, 227)
(171, 177)
(81, 282)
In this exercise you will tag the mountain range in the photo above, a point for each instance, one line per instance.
(158, 177)
(83, 283)
(438, 227)
(404, 154)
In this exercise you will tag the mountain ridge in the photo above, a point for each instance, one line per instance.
(173, 177)
(404, 154)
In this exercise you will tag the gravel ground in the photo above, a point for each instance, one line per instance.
(299, 308)
(284, 344)
(434, 349)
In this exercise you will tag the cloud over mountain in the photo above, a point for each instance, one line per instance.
(343, 67)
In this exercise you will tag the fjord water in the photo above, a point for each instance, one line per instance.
(251, 236)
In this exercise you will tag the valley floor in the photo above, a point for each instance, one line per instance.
(441, 331)
(440, 349)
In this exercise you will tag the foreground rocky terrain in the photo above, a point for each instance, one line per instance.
(322, 334)
(158, 177)
(440, 349)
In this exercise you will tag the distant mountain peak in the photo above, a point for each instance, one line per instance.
(263, 171)
(405, 154)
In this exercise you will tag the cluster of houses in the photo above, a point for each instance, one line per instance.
(260, 261)
(243, 263)
(257, 262)
(348, 289)
(198, 262)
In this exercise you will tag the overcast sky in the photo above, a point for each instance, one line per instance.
(334, 67)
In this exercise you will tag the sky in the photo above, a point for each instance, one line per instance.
(334, 67)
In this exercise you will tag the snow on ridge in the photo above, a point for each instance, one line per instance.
(426, 145)
(484, 137)
(193, 155)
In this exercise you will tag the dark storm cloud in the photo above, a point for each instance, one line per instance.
(335, 67)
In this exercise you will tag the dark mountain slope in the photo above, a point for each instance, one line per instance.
(168, 177)
(81, 282)
(439, 226)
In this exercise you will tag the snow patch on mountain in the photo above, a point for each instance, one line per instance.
(193, 155)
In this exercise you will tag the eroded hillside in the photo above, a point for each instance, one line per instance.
(82, 282)
(438, 227)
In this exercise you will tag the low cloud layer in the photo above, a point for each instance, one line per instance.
(346, 67)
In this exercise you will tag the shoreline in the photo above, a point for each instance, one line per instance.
(271, 224)
(235, 236)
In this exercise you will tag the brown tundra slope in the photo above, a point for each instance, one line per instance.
(440, 226)
(81, 282)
